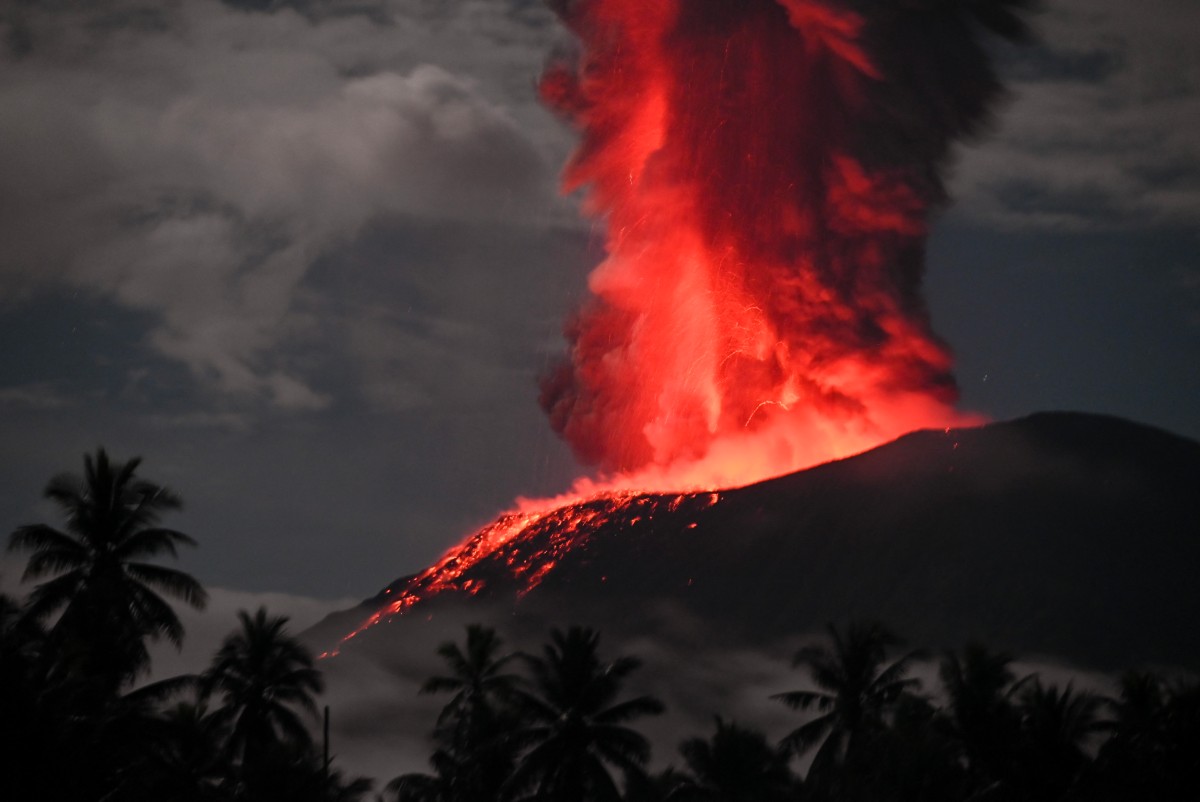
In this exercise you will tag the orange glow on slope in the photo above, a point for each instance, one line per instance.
(529, 543)
(765, 171)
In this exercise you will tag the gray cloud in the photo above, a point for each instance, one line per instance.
(197, 170)
(1101, 130)
(36, 395)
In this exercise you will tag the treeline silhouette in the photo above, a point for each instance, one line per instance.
(556, 725)
(74, 725)
(562, 731)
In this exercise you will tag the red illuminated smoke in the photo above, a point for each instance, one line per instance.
(765, 170)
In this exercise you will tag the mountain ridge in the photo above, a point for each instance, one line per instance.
(1060, 533)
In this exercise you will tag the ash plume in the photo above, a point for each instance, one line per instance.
(766, 171)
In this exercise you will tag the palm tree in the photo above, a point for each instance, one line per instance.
(735, 765)
(1056, 725)
(856, 693)
(266, 679)
(478, 681)
(1181, 734)
(474, 758)
(980, 715)
(35, 724)
(108, 593)
(185, 762)
(441, 786)
(575, 731)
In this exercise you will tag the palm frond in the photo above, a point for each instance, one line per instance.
(49, 596)
(37, 537)
(154, 616)
(630, 709)
(151, 542)
(441, 685)
(67, 491)
(164, 689)
(601, 784)
(621, 746)
(803, 700)
(804, 737)
(174, 582)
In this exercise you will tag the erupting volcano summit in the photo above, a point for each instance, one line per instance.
(765, 171)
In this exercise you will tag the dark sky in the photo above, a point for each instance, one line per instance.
(308, 259)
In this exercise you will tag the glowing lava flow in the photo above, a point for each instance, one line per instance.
(765, 171)
(528, 544)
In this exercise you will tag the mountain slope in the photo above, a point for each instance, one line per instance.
(1062, 533)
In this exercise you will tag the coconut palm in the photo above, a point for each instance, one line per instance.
(576, 731)
(266, 680)
(474, 756)
(185, 762)
(35, 724)
(735, 765)
(102, 582)
(1181, 734)
(440, 786)
(857, 689)
(478, 680)
(1056, 725)
(981, 716)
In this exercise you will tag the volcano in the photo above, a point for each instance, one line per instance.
(1064, 534)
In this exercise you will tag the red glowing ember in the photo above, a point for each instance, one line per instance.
(765, 171)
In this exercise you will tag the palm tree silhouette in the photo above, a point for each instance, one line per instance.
(478, 681)
(474, 757)
(735, 765)
(109, 594)
(575, 726)
(980, 715)
(856, 692)
(266, 679)
(1056, 725)
(185, 761)
(37, 726)
(440, 786)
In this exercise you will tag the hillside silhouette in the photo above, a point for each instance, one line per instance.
(1064, 534)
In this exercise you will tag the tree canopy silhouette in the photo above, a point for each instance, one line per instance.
(574, 729)
(101, 578)
(266, 680)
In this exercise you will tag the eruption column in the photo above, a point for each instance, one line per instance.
(766, 170)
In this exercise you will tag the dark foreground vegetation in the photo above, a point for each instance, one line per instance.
(74, 723)
(557, 725)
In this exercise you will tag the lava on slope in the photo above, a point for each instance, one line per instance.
(528, 544)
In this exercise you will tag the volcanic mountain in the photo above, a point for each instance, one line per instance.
(1062, 533)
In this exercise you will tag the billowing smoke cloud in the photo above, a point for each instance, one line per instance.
(193, 163)
(766, 170)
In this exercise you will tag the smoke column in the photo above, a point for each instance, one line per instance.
(765, 171)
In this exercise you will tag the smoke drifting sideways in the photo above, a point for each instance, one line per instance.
(766, 171)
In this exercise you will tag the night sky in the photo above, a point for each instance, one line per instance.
(309, 258)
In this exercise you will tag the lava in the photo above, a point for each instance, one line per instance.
(766, 172)
(527, 543)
